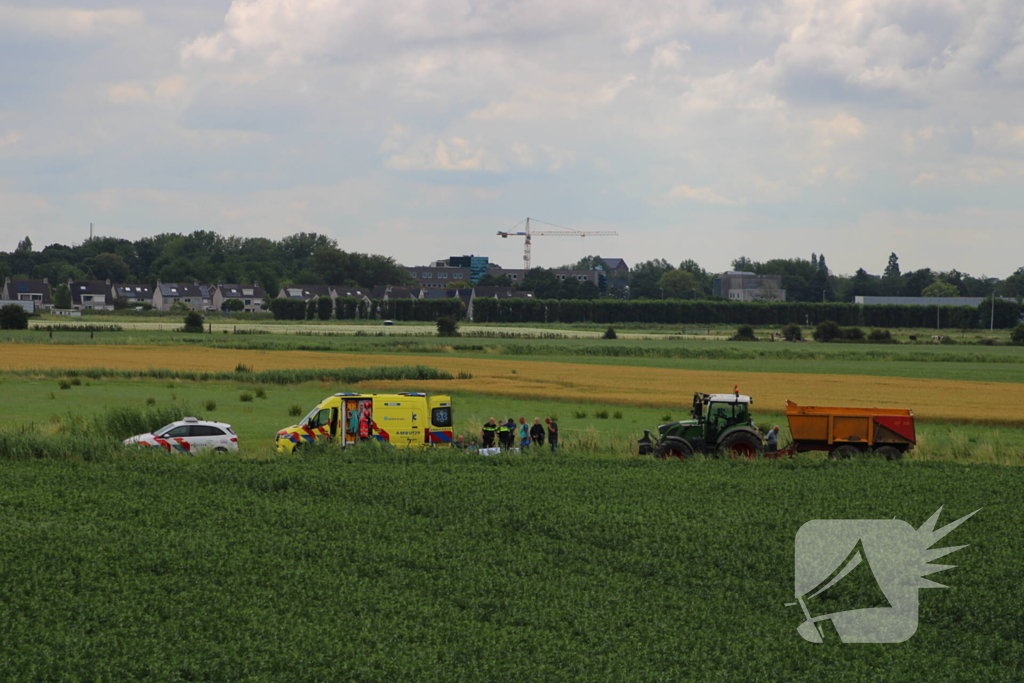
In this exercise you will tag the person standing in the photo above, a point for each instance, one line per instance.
(503, 434)
(487, 434)
(524, 433)
(537, 433)
(511, 425)
(773, 440)
(552, 433)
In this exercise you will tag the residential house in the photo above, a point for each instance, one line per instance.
(194, 296)
(251, 296)
(385, 292)
(36, 291)
(352, 293)
(744, 286)
(307, 292)
(91, 295)
(133, 294)
(438, 277)
(516, 275)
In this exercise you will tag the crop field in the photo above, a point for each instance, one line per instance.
(656, 387)
(378, 567)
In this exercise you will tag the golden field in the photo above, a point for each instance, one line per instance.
(611, 384)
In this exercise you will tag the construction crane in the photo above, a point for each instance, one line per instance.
(562, 232)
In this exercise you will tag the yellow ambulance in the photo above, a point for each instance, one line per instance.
(407, 420)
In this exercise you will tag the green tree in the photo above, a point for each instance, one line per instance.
(62, 296)
(644, 279)
(678, 284)
(447, 326)
(194, 322)
(743, 263)
(488, 280)
(13, 317)
(24, 246)
(940, 288)
(892, 269)
(233, 305)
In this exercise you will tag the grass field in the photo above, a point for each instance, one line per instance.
(380, 567)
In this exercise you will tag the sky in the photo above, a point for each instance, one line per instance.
(419, 128)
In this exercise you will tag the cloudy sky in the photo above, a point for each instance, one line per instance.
(418, 128)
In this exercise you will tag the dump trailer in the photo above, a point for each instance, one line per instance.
(850, 432)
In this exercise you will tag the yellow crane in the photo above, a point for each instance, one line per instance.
(561, 232)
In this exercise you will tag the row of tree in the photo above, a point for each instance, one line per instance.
(310, 258)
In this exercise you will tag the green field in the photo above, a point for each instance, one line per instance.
(386, 567)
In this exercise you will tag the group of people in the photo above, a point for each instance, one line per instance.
(511, 435)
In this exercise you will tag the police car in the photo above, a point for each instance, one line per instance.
(188, 436)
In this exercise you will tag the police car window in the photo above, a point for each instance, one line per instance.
(160, 432)
(177, 432)
(205, 430)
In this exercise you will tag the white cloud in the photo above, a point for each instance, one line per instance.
(704, 195)
(66, 22)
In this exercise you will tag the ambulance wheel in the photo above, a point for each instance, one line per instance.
(672, 448)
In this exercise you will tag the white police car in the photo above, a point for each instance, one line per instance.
(190, 435)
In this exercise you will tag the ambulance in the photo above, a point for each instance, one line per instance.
(406, 420)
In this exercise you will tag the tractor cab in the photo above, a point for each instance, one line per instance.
(718, 422)
(716, 413)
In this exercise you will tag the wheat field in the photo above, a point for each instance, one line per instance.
(627, 385)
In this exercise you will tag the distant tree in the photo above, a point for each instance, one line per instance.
(610, 333)
(821, 264)
(862, 284)
(447, 326)
(678, 284)
(311, 309)
(24, 246)
(792, 332)
(62, 296)
(742, 263)
(120, 303)
(828, 331)
(940, 288)
(541, 282)
(108, 266)
(893, 267)
(194, 322)
(814, 259)
(744, 333)
(1016, 335)
(233, 305)
(488, 280)
(179, 307)
(13, 317)
(644, 279)
(586, 263)
(324, 306)
(914, 282)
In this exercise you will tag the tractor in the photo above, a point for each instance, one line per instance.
(720, 424)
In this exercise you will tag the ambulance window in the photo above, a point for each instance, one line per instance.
(441, 417)
(321, 419)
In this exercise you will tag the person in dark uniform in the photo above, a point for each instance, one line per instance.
(487, 434)
(537, 432)
(552, 433)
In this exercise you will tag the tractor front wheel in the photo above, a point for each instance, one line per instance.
(741, 445)
(672, 448)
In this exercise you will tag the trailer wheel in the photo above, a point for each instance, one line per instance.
(672, 448)
(844, 452)
(741, 445)
(889, 453)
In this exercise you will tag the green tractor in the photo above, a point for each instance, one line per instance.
(720, 424)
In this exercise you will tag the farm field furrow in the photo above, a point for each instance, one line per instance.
(612, 384)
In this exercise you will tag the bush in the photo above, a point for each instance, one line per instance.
(447, 326)
(245, 397)
(287, 309)
(828, 331)
(311, 308)
(13, 317)
(853, 334)
(150, 401)
(617, 415)
(242, 367)
(210, 405)
(744, 333)
(76, 382)
(610, 333)
(261, 392)
(194, 322)
(880, 336)
(948, 341)
(579, 414)
(233, 305)
(324, 307)
(64, 384)
(295, 410)
(1017, 334)
(792, 332)
(601, 414)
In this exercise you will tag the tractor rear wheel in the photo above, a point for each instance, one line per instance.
(741, 445)
(673, 448)
(889, 453)
(844, 452)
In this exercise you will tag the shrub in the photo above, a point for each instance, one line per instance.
(744, 333)
(792, 332)
(617, 415)
(64, 384)
(666, 418)
(601, 414)
(194, 322)
(579, 414)
(610, 333)
(150, 401)
(295, 410)
(260, 392)
(880, 336)
(828, 331)
(853, 334)
(324, 307)
(210, 405)
(242, 367)
(447, 326)
(13, 317)
(75, 382)
(1017, 334)
(245, 397)
(311, 308)
(946, 339)
(233, 305)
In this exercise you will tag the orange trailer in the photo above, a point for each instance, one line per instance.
(848, 432)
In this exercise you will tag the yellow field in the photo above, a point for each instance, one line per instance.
(651, 387)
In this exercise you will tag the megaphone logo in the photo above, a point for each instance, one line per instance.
(857, 579)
